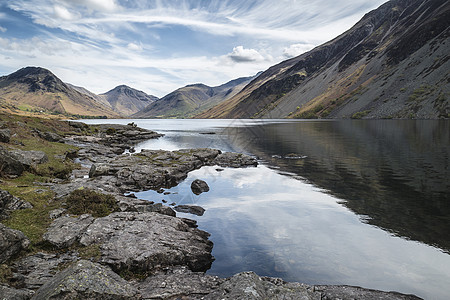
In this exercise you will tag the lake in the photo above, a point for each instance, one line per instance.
(356, 202)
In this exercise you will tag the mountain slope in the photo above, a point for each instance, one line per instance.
(37, 90)
(393, 63)
(192, 99)
(126, 100)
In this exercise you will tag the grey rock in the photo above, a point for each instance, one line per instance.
(248, 285)
(37, 269)
(5, 135)
(29, 158)
(11, 242)
(199, 186)
(10, 293)
(87, 280)
(235, 160)
(78, 125)
(137, 205)
(9, 203)
(66, 230)
(190, 209)
(49, 136)
(331, 292)
(9, 164)
(56, 213)
(146, 241)
(178, 283)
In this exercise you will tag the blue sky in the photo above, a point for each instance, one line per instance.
(158, 46)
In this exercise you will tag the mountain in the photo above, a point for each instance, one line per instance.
(126, 100)
(37, 90)
(394, 63)
(192, 99)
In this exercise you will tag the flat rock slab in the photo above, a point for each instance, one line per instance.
(87, 280)
(190, 209)
(329, 292)
(142, 242)
(66, 230)
(10, 293)
(178, 283)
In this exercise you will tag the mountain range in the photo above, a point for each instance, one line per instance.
(393, 63)
(191, 100)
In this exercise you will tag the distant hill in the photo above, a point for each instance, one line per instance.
(394, 63)
(34, 90)
(126, 100)
(190, 100)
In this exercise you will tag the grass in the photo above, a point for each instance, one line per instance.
(360, 114)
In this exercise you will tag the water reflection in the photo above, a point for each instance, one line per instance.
(393, 172)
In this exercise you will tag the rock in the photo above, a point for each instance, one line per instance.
(5, 135)
(190, 209)
(10, 203)
(78, 125)
(87, 280)
(235, 160)
(142, 242)
(65, 231)
(10, 293)
(49, 136)
(37, 269)
(136, 205)
(199, 186)
(248, 285)
(9, 164)
(11, 242)
(329, 292)
(29, 158)
(56, 213)
(178, 283)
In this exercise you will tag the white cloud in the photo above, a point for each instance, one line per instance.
(62, 13)
(134, 47)
(2, 29)
(240, 54)
(95, 5)
(296, 49)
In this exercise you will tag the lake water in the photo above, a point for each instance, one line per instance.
(351, 202)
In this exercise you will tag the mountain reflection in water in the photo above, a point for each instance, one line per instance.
(394, 173)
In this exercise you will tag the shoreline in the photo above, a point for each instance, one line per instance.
(156, 254)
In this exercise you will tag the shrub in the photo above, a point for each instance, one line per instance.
(86, 201)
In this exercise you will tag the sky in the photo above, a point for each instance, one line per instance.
(158, 46)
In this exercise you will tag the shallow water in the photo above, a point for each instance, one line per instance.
(333, 202)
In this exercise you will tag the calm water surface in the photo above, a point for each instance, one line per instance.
(332, 202)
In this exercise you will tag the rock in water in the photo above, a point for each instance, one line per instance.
(199, 186)
(190, 209)
(87, 280)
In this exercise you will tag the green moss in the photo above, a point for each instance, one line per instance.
(86, 201)
(90, 252)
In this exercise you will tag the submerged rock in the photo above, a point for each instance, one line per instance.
(329, 292)
(199, 186)
(87, 280)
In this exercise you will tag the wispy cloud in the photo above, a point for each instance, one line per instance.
(162, 45)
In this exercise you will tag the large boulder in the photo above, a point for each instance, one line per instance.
(66, 230)
(9, 203)
(9, 164)
(29, 158)
(142, 242)
(11, 242)
(5, 135)
(87, 280)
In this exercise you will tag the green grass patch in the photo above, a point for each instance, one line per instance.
(360, 114)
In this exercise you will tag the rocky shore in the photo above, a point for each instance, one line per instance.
(115, 247)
